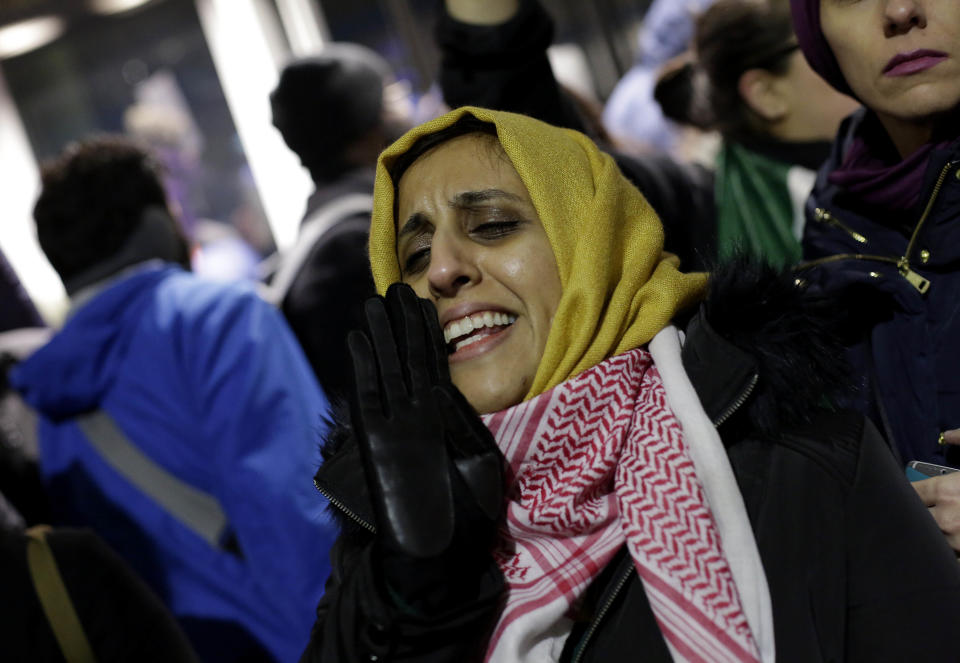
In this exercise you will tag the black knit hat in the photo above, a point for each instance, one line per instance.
(325, 102)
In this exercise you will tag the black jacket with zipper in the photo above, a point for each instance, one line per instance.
(856, 567)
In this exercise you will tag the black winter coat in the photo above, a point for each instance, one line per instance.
(325, 299)
(907, 267)
(857, 568)
(122, 619)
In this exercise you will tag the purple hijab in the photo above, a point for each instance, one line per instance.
(806, 23)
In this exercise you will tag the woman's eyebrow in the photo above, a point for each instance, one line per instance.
(469, 199)
(465, 200)
(413, 225)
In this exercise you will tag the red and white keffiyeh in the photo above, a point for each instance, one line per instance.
(600, 461)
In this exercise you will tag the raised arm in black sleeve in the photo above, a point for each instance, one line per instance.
(504, 66)
(418, 582)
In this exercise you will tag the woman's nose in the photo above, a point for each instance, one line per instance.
(901, 16)
(452, 266)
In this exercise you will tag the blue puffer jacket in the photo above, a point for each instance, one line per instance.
(207, 380)
(910, 360)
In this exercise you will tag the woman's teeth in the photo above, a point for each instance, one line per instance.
(469, 340)
(474, 322)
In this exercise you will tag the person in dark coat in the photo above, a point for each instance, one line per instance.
(494, 55)
(884, 217)
(16, 309)
(331, 112)
(120, 618)
(618, 480)
(21, 331)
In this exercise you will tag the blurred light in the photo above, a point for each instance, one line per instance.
(241, 54)
(24, 36)
(304, 26)
(19, 186)
(107, 7)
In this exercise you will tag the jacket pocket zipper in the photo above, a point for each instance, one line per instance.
(902, 264)
(344, 509)
(823, 216)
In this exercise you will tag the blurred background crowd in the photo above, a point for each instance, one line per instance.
(191, 79)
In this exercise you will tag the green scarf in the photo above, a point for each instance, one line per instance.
(755, 211)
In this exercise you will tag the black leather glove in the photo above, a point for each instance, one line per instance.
(434, 471)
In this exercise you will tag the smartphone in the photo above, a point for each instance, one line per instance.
(918, 470)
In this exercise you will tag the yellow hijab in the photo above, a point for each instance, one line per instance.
(619, 287)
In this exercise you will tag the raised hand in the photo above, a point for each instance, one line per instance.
(428, 459)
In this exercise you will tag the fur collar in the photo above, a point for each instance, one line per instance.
(796, 336)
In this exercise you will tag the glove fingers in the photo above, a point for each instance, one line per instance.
(437, 358)
(478, 459)
(385, 348)
(408, 325)
(412, 486)
(468, 434)
(483, 476)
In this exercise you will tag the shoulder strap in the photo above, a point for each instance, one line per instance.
(313, 229)
(194, 508)
(55, 599)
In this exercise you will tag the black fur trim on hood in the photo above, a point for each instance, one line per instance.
(796, 336)
(339, 435)
(340, 430)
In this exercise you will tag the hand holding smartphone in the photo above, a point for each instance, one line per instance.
(919, 470)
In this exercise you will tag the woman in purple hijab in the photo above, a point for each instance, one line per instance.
(884, 217)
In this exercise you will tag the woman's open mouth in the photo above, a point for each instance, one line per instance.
(475, 330)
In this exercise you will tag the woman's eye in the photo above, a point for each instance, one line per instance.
(416, 261)
(495, 229)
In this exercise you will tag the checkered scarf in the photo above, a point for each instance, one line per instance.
(599, 461)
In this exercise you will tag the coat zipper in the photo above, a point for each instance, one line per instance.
(622, 582)
(343, 507)
(744, 395)
(929, 208)
(902, 264)
(822, 215)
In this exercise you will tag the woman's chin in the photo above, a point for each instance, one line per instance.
(923, 104)
(489, 391)
(497, 372)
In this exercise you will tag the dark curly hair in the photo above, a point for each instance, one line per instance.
(92, 199)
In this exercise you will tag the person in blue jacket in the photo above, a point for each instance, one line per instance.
(179, 418)
(884, 217)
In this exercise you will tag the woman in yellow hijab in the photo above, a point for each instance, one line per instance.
(621, 496)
